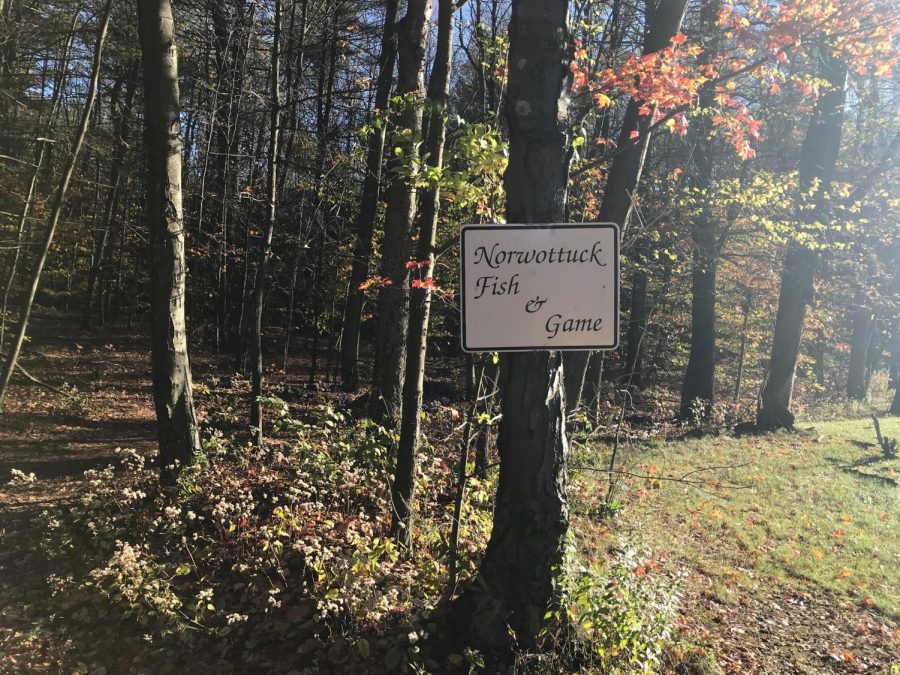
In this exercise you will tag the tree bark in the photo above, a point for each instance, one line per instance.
(507, 602)
(59, 200)
(393, 299)
(259, 286)
(895, 405)
(624, 176)
(894, 363)
(698, 388)
(817, 159)
(746, 306)
(176, 420)
(700, 376)
(42, 140)
(860, 339)
(368, 205)
(122, 126)
(403, 488)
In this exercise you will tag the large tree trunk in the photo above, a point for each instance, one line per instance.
(368, 205)
(818, 157)
(507, 602)
(59, 200)
(265, 248)
(403, 488)
(664, 20)
(176, 421)
(393, 299)
(698, 388)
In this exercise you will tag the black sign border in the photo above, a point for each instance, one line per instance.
(529, 226)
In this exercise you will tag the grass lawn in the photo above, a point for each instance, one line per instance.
(816, 509)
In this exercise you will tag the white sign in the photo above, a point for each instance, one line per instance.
(530, 287)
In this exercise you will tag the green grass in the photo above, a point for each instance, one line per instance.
(789, 509)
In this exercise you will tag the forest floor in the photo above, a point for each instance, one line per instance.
(788, 558)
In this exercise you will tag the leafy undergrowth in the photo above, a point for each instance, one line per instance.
(781, 528)
(277, 560)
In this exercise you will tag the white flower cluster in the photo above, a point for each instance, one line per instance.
(131, 459)
(21, 478)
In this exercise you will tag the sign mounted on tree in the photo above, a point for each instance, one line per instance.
(535, 287)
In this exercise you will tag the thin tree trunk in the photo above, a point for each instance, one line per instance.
(256, 415)
(295, 272)
(593, 381)
(506, 604)
(622, 181)
(878, 338)
(863, 324)
(818, 157)
(59, 201)
(43, 139)
(393, 300)
(176, 420)
(368, 207)
(742, 355)
(895, 406)
(894, 364)
(403, 488)
(323, 122)
(122, 133)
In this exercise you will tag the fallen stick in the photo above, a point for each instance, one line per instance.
(44, 384)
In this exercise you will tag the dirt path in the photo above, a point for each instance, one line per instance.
(57, 438)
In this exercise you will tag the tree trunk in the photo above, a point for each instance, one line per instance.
(817, 159)
(742, 355)
(368, 206)
(622, 181)
(122, 126)
(507, 602)
(393, 300)
(861, 337)
(894, 364)
(59, 200)
(593, 382)
(403, 488)
(42, 140)
(259, 286)
(700, 376)
(638, 312)
(327, 71)
(895, 406)
(698, 388)
(176, 421)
